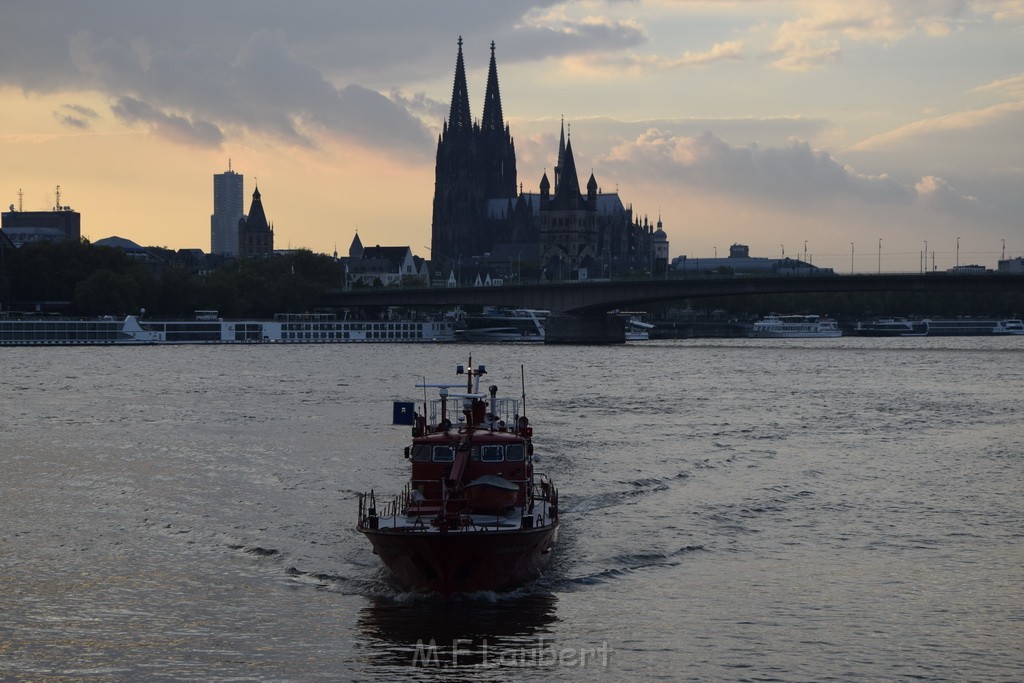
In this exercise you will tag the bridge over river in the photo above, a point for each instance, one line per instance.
(581, 307)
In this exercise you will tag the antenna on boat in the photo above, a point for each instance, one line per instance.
(425, 402)
(522, 377)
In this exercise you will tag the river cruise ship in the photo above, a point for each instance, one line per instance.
(929, 327)
(207, 328)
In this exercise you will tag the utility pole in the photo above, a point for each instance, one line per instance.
(958, 252)
(851, 258)
(879, 255)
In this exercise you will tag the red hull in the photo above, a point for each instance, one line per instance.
(463, 561)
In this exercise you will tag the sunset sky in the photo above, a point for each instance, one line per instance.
(764, 123)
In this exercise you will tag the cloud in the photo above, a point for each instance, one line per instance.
(552, 33)
(262, 88)
(793, 174)
(419, 104)
(173, 127)
(87, 112)
(1012, 87)
(815, 36)
(719, 52)
(602, 65)
(936, 193)
(75, 115)
(314, 73)
(71, 121)
(956, 122)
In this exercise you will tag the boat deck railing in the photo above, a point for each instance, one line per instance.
(506, 409)
(407, 513)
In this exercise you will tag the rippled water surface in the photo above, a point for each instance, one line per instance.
(789, 510)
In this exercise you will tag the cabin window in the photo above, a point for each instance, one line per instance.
(421, 453)
(492, 453)
(444, 454)
(516, 452)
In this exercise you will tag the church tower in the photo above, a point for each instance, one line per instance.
(497, 151)
(458, 191)
(476, 162)
(255, 234)
(568, 221)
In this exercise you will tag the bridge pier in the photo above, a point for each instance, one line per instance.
(601, 328)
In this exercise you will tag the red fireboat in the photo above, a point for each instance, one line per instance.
(474, 515)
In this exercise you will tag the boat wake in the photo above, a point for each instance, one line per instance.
(629, 564)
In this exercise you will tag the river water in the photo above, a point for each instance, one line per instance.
(764, 510)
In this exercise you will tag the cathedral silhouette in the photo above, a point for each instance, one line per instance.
(483, 221)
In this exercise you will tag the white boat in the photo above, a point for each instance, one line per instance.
(637, 330)
(970, 327)
(285, 328)
(795, 326)
(1009, 327)
(505, 325)
(935, 327)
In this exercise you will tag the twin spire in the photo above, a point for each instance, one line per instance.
(459, 118)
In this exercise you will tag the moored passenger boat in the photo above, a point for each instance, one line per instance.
(970, 327)
(938, 327)
(1009, 327)
(890, 327)
(207, 328)
(474, 515)
(505, 325)
(795, 326)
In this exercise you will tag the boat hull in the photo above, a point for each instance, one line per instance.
(454, 562)
(502, 335)
(771, 334)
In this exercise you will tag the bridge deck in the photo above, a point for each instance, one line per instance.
(598, 297)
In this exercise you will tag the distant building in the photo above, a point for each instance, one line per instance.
(375, 266)
(227, 210)
(740, 261)
(1013, 265)
(255, 234)
(60, 224)
(974, 269)
(126, 245)
(660, 248)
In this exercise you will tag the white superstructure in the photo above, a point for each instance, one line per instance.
(284, 328)
(794, 326)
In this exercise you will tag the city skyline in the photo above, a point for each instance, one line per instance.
(763, 123)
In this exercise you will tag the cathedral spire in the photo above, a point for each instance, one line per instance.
(493, 121)
(561, 143)
(459, 119)
(568, 190)
(561, 156)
